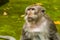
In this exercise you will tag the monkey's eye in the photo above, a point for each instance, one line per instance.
(33, 8)
(29, 9)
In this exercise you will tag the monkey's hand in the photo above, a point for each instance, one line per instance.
(25, 36)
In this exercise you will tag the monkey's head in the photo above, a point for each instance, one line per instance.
(34, 12)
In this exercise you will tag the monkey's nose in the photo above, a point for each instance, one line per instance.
(29, 15)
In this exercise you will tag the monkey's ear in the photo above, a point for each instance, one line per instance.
(43, 11)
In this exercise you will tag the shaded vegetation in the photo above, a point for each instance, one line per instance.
(2, 2)
(11, 24)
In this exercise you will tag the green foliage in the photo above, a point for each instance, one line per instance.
(11, 24)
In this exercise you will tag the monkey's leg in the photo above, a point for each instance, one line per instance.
(55, 37)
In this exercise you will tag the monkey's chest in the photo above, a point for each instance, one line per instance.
(37, 34)
(37, 29)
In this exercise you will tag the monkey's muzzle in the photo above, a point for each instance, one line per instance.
(30, 19)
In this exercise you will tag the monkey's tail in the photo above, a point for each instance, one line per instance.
(7, 37)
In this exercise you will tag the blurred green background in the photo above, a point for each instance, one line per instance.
(11, 23)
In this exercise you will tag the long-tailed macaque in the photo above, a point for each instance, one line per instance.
(38, 26)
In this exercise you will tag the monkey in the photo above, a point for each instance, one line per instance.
(38, 25)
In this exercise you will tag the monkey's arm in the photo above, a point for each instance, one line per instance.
(53, 32)
(25, 34)
(7, 37)
(52, 28)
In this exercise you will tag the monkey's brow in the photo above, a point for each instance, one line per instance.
(31, 8)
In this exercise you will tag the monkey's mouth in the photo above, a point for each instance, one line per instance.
(30, 19)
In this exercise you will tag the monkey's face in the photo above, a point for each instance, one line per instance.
(32, 13)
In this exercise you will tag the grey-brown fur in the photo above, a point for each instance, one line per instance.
(38, 25)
